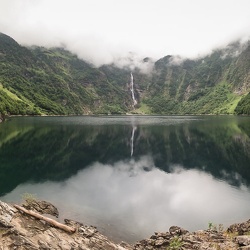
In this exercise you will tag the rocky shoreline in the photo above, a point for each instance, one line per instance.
(19, 230)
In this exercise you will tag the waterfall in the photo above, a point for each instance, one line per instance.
(132, 89)
(132, 141)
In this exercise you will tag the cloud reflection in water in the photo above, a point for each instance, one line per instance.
(129, 200)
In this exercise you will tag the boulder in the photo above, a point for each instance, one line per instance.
(243, 240)
(42, 207)
(175, 230)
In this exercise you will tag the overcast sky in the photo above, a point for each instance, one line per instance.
(102, 30)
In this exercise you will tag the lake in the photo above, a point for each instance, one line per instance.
(131, 175)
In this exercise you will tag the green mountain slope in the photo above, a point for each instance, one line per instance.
(54, 81)
(211, 85)
(38, 81)
(243, 106)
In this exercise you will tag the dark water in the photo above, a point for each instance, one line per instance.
(131, 176)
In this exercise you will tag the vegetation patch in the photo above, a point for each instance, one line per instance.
(29, 198)
(175, 243)
(243, 106)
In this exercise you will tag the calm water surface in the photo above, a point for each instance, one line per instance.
(131, 175)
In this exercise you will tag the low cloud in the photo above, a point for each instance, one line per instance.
(235, 49)
(104, 32)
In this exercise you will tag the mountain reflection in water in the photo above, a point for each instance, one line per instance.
(184, 171)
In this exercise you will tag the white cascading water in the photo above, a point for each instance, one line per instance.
(132, 141)
(132, 89)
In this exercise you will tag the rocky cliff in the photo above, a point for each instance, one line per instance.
(19, 230)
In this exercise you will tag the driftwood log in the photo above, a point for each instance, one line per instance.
(48, 220)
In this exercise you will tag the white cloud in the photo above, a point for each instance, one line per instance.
(101, 31)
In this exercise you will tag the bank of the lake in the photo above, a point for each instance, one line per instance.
(20, 228)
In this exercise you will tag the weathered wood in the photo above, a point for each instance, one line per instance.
(49, 220)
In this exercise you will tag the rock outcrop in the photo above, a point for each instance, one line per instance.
(42, 207)
(19, 230)
(237, 236)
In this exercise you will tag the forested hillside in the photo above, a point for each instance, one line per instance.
(210, 85)
(54, 81)
(37, 80)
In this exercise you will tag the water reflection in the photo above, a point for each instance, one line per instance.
(132, 140)
(131, 176)
(52, 148)
(128, 203)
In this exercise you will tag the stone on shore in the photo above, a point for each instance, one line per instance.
(22, 231)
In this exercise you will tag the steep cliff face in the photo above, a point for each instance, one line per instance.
(210, 85)
(239, 71)
(54, 81)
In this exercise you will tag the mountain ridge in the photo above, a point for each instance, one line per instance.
(53, 81)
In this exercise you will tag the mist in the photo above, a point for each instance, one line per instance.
(111, 31)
